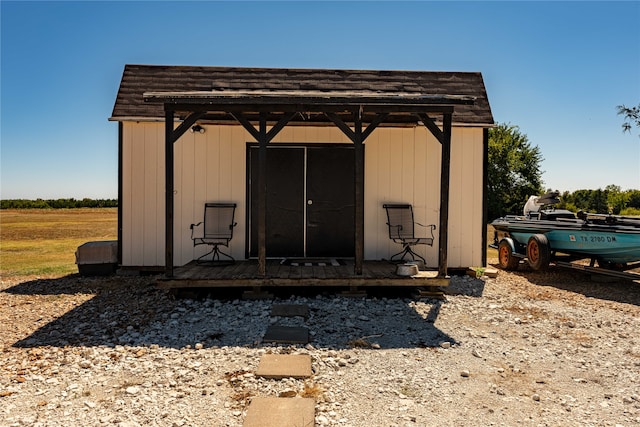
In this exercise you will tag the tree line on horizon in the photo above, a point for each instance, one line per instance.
(514, 174)
(611, 200)
(58, 203)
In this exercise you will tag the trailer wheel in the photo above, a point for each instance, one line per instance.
(538, 252)
(506, 259)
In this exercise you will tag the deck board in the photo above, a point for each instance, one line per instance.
(245, 273)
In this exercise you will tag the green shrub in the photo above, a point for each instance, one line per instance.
(630, 212)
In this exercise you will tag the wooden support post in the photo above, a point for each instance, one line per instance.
(359, 193)
(168, 195)
(263, 137)
(445, 173)
(262, 196)
(485, 188)
(120, 188)
(357, 136)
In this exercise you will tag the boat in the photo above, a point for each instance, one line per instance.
(543, 234)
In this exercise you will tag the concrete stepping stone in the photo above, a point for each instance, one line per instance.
(279, 366)
(280, 412)
(286, 334)
(290, 310)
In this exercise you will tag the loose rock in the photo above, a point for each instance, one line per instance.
(118, 351)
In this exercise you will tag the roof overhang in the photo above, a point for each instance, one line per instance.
(298, 97)
(401, 108)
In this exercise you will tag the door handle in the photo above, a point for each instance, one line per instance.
(309, 202)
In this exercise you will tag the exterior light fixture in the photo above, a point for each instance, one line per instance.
(197, 128)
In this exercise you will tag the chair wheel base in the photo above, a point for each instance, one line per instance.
(407, 252)
(215, 258)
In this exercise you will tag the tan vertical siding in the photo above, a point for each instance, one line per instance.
(212, 169)
(401, 165)
(143, 194)
(465, 208)
(398, 169)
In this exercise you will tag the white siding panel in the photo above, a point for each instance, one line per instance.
(184, 191)
(126, 204)
(401, 165)
(211, 167)
(151, 216)
(455, 199)
(465, 208)
(398, 170)
(421, 189)
(240, 137)
(477, 203)
(143, 195)
(137, 193)
(377, 166)
(412, 175)
(371, 210)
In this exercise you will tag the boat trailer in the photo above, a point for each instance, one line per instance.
(575, 263)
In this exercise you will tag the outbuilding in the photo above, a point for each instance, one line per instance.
(308, 156)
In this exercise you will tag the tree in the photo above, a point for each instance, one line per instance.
(616, 198)
(598, 202)
(631, 117)
(513, 171)
(634, 199)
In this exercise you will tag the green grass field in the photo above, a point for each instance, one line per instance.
(43, 241)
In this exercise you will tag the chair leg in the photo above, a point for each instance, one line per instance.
(408, 251)
(215, 258)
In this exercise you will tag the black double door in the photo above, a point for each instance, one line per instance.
(310, 201)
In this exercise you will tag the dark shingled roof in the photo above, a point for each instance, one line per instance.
(427, 87)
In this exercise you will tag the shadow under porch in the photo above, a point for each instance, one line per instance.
(301, 273)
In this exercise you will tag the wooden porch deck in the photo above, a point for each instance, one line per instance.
(245, 274)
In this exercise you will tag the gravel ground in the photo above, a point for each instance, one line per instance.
(526, 348)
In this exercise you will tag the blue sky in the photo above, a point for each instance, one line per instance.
(555, 69)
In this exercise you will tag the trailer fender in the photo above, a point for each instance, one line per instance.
(511, 243)
(508, 258)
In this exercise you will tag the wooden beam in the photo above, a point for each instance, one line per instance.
(445, 173)
(262, 196)
(247, 125)
(374, 124)
(171, 135)
(257, 133)
(168, 193)
(189, 121)
(359, 193)
(485, 189)
(279, 126)
(431, 126)
(357, 136)
(341, 125)
(263, 137)
(120, 188)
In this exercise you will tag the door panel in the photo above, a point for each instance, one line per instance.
(285, 202)
(330, 202)
(328, 198)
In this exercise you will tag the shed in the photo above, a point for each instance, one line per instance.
(309, 156)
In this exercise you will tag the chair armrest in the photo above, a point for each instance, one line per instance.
(192, 226)
(431, 226)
